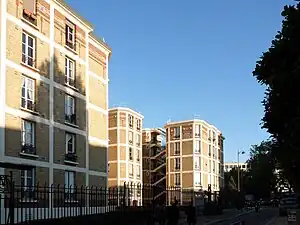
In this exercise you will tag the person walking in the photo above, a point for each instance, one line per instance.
(173, 214)
(191, 214)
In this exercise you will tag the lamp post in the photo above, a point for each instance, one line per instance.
(239, 152)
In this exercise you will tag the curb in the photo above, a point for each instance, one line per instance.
(231, 218)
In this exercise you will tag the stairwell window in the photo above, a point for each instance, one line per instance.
(176, 148)
(28, 49)
(69, 72)
(197, 179)
(28, 137)
(130, 137)
(197, 130)
(130, 154)
(177, 132)
(177, 179)
(138, 172)
(177, 164)
(28, 95)
(70, 116)
(130, 170)
(197, 146)
(197, 163)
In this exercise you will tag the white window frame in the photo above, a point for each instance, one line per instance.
(69, 108)
(130, 153)
(138, 124)
(130, 120)
(25, 176)
(69, 70)
(197, 179)
(138, 155)
(67, 136)
(138, 140)
(197, 130)
(177, 132)
(70, 32)
(70, 181)
(177, 161)
(25, 54)
(177, 177)
(130, 137)
(197, 163)
(176, 148)
(138, 171)
(197, 146)
(25, 86)
(130, 170)
(24, 133)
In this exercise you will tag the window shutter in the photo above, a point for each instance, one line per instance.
(30, 5)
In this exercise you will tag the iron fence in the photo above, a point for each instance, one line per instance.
(40, 202)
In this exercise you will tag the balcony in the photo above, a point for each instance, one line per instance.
(70, 81)
(28, 105)
(28, 150)
(70, 119)
(71, 158)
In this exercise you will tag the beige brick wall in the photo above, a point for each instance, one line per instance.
(13, 138)
(97, 88)
(60, 148)
(112, 119)
(98, 157)
(113, 170)
(113, 138)
(113, 153)
(187, 180)
(97, 124)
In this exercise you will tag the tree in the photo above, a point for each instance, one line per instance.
(261, 179)
(278, 69)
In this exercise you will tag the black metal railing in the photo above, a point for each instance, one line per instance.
(71, 156)
(28, 149)
(43, 202)
(70, 118)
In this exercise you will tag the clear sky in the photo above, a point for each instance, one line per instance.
(175, 59)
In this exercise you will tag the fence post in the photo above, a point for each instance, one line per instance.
(12, 200)
(124, 195)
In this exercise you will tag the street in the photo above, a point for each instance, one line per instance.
(262, 217)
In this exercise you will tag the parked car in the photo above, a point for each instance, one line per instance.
(285, 204)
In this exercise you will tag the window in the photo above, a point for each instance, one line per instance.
(69, 184)
(28, 179)
(138, 124)
(214, 166)
(28, 137)
(70, 109)
(130, 121)
(29, 10)
(130, 154)
(209, 150)
(28, 49)
(130, 170)
(177, 148)
(209, 166)
(69, 72)
(197, 179)
(70, 35)
(177, 132)
(137, 155)
(28, 86)
(138, 140)
(197, 146)
(177, 179)
(138, 171)
(197, 162)
(209, 135)
(177, 163)
(130, 137)
(197, 130)
(70, 143)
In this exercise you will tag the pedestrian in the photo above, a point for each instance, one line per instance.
(161, 214)
(191, 214)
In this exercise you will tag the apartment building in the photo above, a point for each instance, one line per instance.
(53, 95)
(194, 155)
(154, 161)
(125, 147)
(228, 166)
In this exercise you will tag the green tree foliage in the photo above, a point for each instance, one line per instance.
(261, 179)
(278, 69)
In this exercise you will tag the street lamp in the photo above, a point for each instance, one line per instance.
(239, 152)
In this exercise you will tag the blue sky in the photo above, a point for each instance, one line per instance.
(175, 59)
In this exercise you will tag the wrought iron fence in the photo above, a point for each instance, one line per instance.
(25, 203)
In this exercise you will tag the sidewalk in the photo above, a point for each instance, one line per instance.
(227, 213)
(279, 221)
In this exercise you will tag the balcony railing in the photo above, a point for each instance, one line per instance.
(30, 105)
(28, 149)
(70, 81)
(70, 118)
(71, 156)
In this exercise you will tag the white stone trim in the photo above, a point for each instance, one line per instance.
(98, 77)
(87, 121)
(2, 77)
(104, 50)
(101, 142)
(37, 163)
(97, 108)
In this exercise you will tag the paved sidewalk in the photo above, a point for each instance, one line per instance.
(227, 213)
(279, 221)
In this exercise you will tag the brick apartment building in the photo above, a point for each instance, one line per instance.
(53, 94)
(194, 152)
